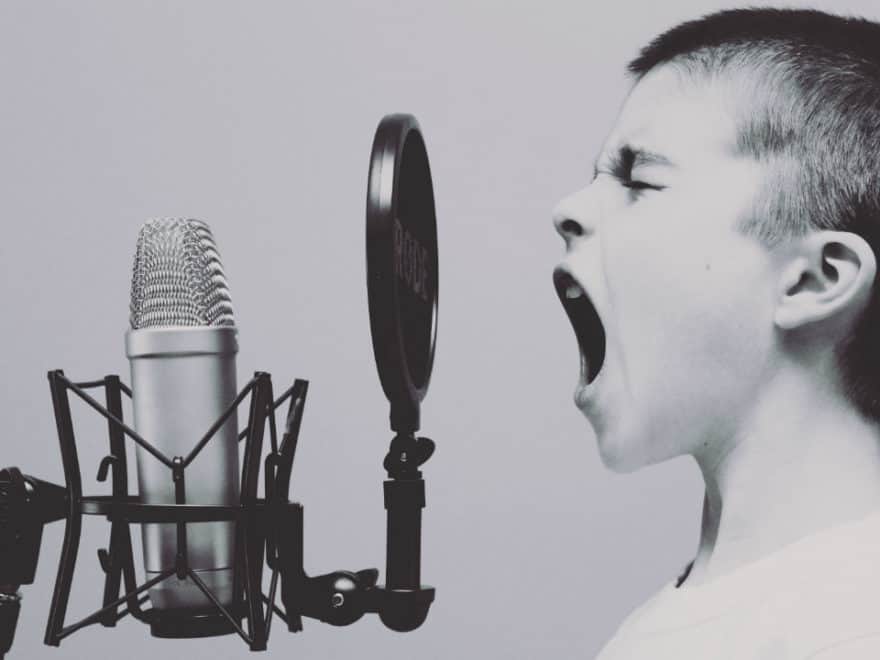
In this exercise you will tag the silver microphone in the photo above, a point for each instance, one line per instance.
(181, 346)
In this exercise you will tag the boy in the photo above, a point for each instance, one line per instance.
(720, 275)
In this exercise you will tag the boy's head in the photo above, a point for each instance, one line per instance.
(727, 240)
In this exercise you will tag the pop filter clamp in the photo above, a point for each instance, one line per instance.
(402, 290)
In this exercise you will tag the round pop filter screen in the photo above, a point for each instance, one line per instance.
(402, 266)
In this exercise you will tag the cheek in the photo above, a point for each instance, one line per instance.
(692, 324)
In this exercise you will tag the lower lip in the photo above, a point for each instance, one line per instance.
(585, 391)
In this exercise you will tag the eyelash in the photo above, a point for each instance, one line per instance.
(639, 186)
(620, 170)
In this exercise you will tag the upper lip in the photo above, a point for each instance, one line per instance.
(585, 319)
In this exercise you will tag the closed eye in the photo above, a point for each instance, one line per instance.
(621, 164)
(639, 185)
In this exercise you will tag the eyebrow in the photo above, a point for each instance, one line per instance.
(627, 157)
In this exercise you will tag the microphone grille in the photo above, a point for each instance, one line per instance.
(177, 278)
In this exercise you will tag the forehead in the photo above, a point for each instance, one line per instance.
(672, 113)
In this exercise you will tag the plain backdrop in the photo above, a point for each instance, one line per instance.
(258, 117)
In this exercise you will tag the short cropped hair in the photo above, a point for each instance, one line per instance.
(809, 89)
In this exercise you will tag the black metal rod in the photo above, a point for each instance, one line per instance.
(128, 574)
(275, 609)
(216, 425)
(130, 432)
(275, 405)
(117, 437)
(294, 417)
(134, 512)
(113, 398)
(125, 388)
(73, 522)
(182, 558)
(238, 577)
(253, 540)
(273, 583)
(281, 399)
(126, 611)
(113, 576)
(95, 616)
(250, 469)
(273, 434)
(289, 441)
(91, 384)
(201, 585)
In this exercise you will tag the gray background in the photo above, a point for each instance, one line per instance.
(258, 118)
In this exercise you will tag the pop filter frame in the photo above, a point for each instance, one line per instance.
(402, 266)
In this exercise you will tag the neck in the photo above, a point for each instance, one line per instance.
(805, 461)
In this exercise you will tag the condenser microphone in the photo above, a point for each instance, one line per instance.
(181, 346)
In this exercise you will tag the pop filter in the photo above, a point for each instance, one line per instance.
(402, 293)
(402, 266)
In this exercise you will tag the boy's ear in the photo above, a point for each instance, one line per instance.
(828, 277)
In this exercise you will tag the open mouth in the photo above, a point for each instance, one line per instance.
(584, 319)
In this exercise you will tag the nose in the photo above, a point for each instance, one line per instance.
(572, 217)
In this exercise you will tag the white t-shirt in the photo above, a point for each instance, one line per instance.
(817, 598)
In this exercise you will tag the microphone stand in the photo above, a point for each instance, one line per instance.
(268, 530)
(407, 600)
(402, 290)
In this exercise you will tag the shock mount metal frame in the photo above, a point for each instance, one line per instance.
(267, 528)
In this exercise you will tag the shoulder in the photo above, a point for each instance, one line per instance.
(859, 648)
(657, 602)
(616, 646)
(647, 606)
(828, 612)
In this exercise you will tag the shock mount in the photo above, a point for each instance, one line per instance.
(268, 529)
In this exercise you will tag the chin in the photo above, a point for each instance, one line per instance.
(625, 451)
(621, 457)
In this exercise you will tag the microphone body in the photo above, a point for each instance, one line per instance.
(181, 346)
(183, 379)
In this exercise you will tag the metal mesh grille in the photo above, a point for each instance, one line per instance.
(178, 279)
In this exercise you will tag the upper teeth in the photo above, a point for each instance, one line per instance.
(573, 291)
